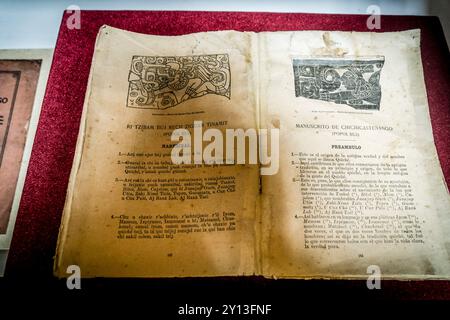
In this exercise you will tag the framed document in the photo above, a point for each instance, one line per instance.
(23, 78)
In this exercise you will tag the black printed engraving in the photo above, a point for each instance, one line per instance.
(7, 112)
(355, 83)
(157, 82)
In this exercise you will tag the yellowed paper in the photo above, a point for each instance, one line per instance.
(130, 212)
(360, 183)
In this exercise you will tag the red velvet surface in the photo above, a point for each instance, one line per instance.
(39, 216)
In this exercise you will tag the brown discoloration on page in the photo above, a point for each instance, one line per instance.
(202, 223)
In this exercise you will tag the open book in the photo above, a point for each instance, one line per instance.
(347, 177)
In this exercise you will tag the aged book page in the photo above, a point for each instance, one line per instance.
(131, 212)
(360, 183)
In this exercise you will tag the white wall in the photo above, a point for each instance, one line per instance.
(34, 24)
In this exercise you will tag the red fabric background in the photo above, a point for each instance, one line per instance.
(44, 193)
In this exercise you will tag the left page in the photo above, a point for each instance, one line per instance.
(130, 211)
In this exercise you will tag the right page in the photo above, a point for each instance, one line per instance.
(359, 183)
